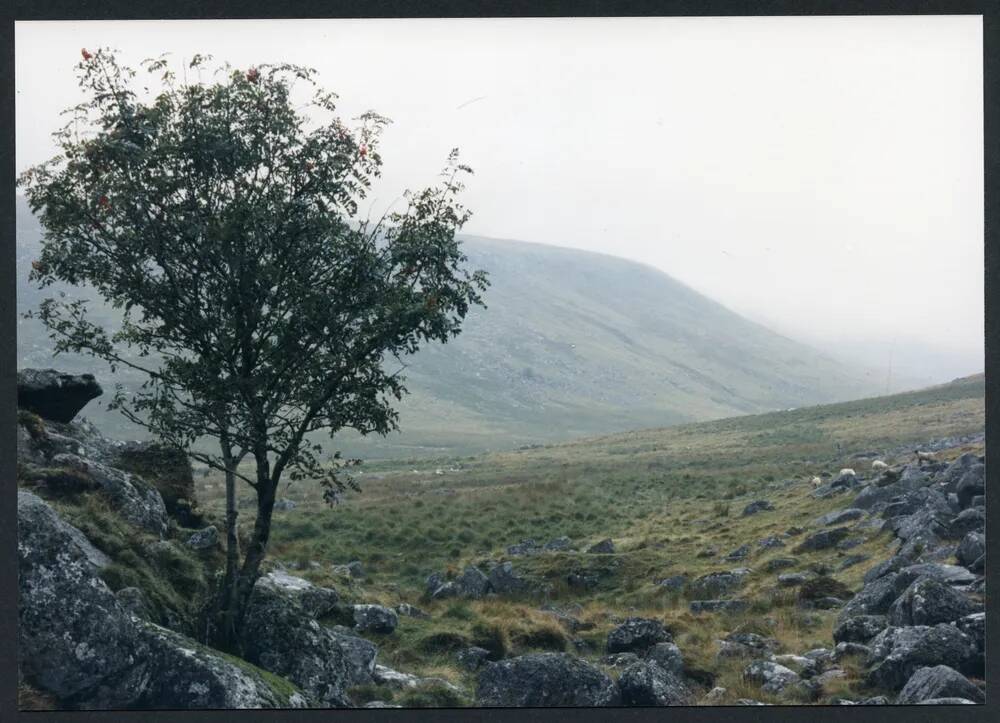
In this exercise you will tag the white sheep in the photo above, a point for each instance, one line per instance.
(816, 481)
(847, 472)
(924, 457)
(879, 466)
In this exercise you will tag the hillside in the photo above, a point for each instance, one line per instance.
(696, 564)
(572, 344)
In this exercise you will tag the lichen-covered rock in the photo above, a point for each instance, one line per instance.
(604, 547)
(779, 563)
(757, 506)
(897, 653)
(375, 619)
(279, 636)
(75, 638)
(472, 584)
(544, 680)
(646, 683)
(860, 628)
(823, 540)
(938, 681)
(928, 601)
(190, 676)
(839, 517)
(668, 656)
(134, 601)
(975, 627)
(770, 676)
(717, 584)
(504, 580)
(746, 645)
(740, 553)
(970, 520)
(91, 648)
(134, 499)
(971, 548)
(971, 484)
(637, 635)
(316, 601)
(55, 395)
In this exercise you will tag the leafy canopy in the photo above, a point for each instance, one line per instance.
(222, 221)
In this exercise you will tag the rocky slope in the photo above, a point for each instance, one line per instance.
(112, 578)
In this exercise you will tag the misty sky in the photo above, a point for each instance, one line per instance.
(823, 176)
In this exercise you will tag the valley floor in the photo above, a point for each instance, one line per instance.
(691, 565)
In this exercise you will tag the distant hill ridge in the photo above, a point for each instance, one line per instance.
(572, 343)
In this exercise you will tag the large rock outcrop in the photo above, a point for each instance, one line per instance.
(544, 680)
(53, 394)
(82, 644)
(280, 636)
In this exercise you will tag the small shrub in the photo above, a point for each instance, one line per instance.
(492, 636)
(443, 642)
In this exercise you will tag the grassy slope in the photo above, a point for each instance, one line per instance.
(572, 344)
(662, 495)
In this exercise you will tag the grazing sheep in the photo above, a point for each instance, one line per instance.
(924, 457)
(816, 481)
(847, 472)
(879, 466)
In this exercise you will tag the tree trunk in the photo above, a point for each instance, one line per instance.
(227, 596)
(257, 548)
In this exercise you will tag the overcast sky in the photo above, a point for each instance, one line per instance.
(823, 176)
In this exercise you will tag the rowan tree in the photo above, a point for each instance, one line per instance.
(221, 217)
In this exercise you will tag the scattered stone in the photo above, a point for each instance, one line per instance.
(939, 681)
(823, 540)
(315, 601)
(771, 677)
(770, 543)
(897, 653)
(779, 563)
(757, 506)
(636, 635)
(674, 583)
(648, 684)
(928, 601)
(505, 581)
(860, 629)
(375, 619)
(668, 656)
(972, 484)
(524, 548)
(740, 553)
(715, 584)
(847, 649)
(974, 626)
(970, 520)
(411, 611)
(558, 545)
(746, 645)
(545, 680)
(839, 517)
(604, 547)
